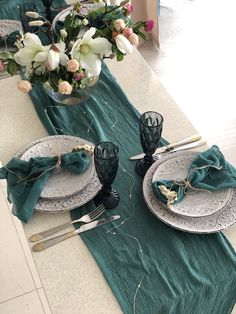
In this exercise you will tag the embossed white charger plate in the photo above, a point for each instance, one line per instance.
(70, 202)
(195, 203)
(221, 219)
(62, 183)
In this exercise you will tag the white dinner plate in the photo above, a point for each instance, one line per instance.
(219, 220)
(62, 183)
(70, 202)
(195, 203)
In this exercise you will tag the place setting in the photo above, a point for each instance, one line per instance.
(59, 173)
(190, 191)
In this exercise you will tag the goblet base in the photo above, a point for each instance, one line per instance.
(142, 166)
(110, 199)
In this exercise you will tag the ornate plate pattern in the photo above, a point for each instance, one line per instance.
(195, 203)
(62, 183)
(218, 221)
(70, 202)
(9, 26)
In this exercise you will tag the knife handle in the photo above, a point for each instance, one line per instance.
(191, 139)
(40, 246)
(191, 145)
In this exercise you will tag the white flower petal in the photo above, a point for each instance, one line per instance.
(53, 59)
(24, 56)
(31, 40)
(61, 46)
(123, 44)
(63, 59)
(41, 56)
(75, 49)
(88, 35)
(92, 63)
(100, 45)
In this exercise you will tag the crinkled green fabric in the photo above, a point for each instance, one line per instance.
(208, 171)
(26, 179)
(182, 273)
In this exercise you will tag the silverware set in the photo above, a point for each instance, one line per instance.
(89, 223)
(187, 143)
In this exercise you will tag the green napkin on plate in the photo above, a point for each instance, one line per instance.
(208, 171)
(26, 179)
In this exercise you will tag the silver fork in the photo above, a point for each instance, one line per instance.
(86, 218)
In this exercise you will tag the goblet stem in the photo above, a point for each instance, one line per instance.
(148, 159)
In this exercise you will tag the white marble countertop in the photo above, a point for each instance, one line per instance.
(71, 278)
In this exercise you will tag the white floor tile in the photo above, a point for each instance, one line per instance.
(15, 276)
(44, 301)
(25, 304)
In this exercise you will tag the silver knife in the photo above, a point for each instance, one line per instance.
(170, 147)
(40, 246)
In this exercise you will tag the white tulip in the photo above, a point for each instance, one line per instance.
(123, 44)
(34, 15)
(63, 33)
(89, 51)
(36, 23)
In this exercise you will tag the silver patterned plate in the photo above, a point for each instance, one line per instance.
(218, 221)
(61, 183)
(86, 8)
(195, 203)
(70, 202)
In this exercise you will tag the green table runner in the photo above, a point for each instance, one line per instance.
(178, 272)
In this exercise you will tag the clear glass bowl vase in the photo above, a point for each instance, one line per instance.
(76, 97)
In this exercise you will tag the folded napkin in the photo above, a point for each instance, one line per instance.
(208, 171)
(26, 179)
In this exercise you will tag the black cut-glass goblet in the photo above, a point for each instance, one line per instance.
(48, 10)
(151, 124)
(106, 159)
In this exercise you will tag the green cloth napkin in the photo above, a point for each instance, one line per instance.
(208, 171)
(26, 179)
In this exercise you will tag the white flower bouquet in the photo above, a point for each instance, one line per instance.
(73, 57)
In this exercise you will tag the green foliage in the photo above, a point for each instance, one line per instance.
(12, 67)
(118, 53)
(5, 55)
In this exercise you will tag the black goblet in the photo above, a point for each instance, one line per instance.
(106, 158)
(150, 134)
(48, 10)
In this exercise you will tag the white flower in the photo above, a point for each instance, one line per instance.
(36, 23)
(85, 22)
(89, 51)
(63, 33)
(53, 56)
(32, 14)
(123, 44)
(32, 48)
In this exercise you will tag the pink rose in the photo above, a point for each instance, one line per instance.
(24, 86)
(133, 39)
(129, 7)
(119, 25)
(149, 25)
(73, 65)
(79, 76)
(127, 31)
(65, 88)
(2, 67)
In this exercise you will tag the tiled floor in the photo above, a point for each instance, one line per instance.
(21, 291)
